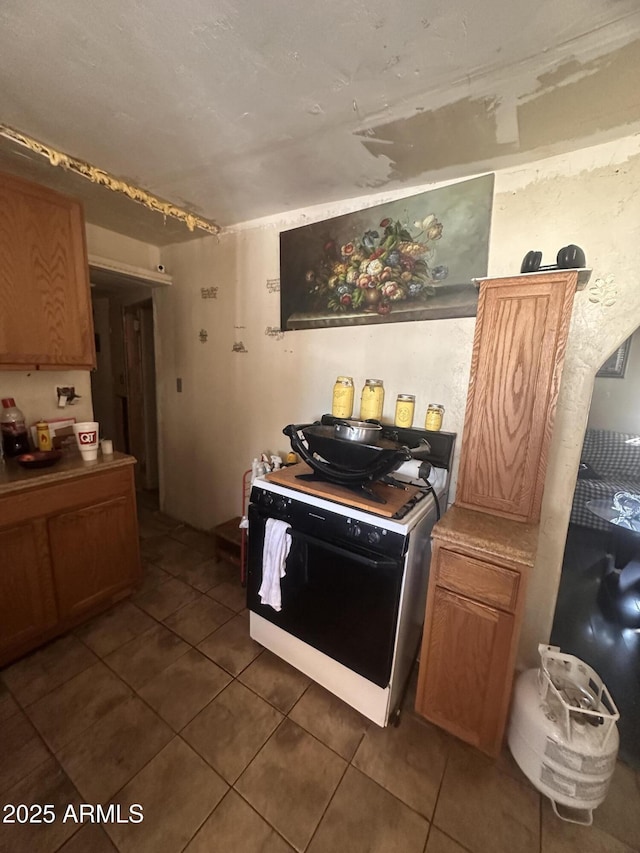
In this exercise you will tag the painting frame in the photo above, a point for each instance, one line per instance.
(412, 258)
(616, 365)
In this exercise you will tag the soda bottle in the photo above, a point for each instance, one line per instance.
(15, 438)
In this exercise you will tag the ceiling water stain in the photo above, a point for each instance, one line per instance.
(460, 132)
(575, 101)
(601, 93)
(561, 74)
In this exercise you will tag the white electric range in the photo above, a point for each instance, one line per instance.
(354, 592)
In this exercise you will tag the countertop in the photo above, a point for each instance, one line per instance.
(14, 478)
(492, 535)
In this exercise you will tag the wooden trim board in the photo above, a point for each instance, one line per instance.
(395, 497)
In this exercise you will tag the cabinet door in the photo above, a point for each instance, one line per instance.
(45, 303)
(518, 354)
(464, 679)
(27, 603)
(94, 552)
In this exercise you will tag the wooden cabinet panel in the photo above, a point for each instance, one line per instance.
(481, 581)
(45, 304)
(59, 497)
(93, 550)
(69, 548)
(475, 603)
(518, 353)
(27, 604)
(464, 669)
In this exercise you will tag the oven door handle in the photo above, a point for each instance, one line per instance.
(342, 552)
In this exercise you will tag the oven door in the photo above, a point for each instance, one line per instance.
(341, 600)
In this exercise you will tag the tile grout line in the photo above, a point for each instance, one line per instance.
(134, 692)
(285, 716)
(435, 804)
(272, 735)
(174, 733)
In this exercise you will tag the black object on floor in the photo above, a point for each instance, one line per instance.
(580, 628)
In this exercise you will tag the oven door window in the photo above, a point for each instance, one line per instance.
(341, 601)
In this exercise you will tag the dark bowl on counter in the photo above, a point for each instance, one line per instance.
(39, 458)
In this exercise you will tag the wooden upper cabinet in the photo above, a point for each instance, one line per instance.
(518, 354)
(45, 303)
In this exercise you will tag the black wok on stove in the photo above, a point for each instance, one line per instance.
(339, 460)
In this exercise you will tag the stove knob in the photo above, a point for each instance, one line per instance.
(356, 531)
(268, 499)
(280, 504)
(374, 537)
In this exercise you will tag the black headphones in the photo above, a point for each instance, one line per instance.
(568, 258)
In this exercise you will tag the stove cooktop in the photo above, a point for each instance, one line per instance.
(408, 509)
(442, 443)
(379, 498)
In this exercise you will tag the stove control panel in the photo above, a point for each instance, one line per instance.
(330, 526)
(364, 532)
(278, 502)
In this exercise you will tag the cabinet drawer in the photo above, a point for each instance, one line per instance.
(477, 580)
(56, 497)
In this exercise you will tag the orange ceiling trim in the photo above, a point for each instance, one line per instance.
(99, 176)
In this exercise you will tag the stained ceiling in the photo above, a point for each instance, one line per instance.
(235, 109)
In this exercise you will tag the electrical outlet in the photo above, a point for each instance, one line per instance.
(66, 395)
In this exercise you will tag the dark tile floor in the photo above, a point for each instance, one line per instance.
(581, 629)
(166, 702)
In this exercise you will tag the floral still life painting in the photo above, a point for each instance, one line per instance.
(410, 259)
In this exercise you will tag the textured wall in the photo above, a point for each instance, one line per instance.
(234, 404)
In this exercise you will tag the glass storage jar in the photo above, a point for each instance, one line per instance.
(372, 400)
(342, 403)
(433, 420)
(405, 408)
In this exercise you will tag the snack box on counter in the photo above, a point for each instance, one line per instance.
(60, 430)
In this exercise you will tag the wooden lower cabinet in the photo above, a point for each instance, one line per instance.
(474, 610)
(86, 575)
(468, 654)
(27, 600)
(67, 551)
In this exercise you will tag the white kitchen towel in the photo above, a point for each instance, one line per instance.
(275, 550)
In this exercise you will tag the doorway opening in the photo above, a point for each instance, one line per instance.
(586, 624)
(123, 385)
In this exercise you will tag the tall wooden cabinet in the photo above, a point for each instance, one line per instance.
(45, 304)
(518, 353)
(484, 547)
